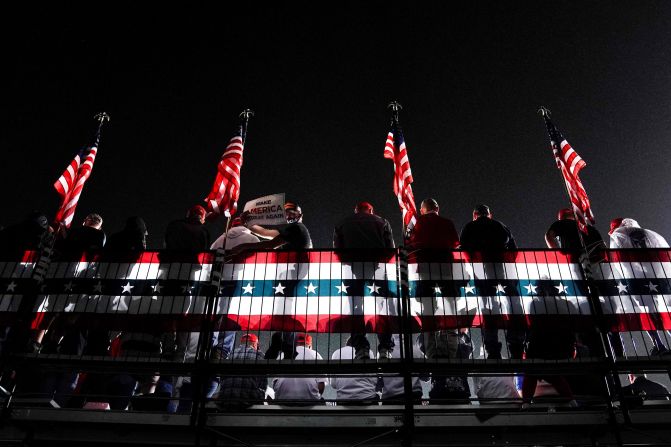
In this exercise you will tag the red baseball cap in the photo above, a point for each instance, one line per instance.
(615, 224)
(305, 339)
(365, 207)
(197, 210)
(249, 338)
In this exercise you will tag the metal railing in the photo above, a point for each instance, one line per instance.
(158, 331)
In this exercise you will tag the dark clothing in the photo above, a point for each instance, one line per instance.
(82, 240)
(489, 235)
(296, 236)
(237, 392)
(644, 389)
(484, 234)
(187, 235)
(434, 232)
(363, 230)
(27, 235)
(131, 239)
(568, 236)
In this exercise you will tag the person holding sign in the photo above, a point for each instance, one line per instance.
(293, 236)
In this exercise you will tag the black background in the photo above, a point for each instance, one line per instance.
(470, 78)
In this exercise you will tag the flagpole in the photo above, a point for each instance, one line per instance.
(101, 118)
(204, 340)
(244, 116)
(545, 113)
(405, 337)
(592, 289)
(395, 107)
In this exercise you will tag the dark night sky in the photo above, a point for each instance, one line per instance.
(470, 81)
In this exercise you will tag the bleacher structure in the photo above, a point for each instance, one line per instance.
(149, 301)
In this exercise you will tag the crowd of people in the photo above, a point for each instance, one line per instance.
(362, 229)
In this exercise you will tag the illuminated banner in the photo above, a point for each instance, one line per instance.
(266, 210)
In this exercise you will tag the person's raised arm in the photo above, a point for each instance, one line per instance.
(267, 233)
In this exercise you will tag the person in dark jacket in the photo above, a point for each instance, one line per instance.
(361, 230)
(190, 234)
(88, 239)
(133, 238)
(485, 233)
(28, 234)
(564, 234)
(488, 237)
(642, 389)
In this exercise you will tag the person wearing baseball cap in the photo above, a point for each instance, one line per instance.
(564, 234)
(292, 236)
(486, 235)
(627, 233)
(615, 224)
(301, 390)
(188, 234)
(236, 235)
(243, 392)
(364, 230)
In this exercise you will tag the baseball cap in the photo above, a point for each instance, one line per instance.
(292, 206)
(615, 224)
(236, 222)
(305, 339)
(364, 206)
(196, 210)
(249, 338)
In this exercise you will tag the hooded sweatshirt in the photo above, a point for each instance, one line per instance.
(234, 237)
(631, 235)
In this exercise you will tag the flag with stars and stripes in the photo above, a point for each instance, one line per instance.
(570, 164)
(223, 198)
(71, 183)
(325, 291)
(395, 150)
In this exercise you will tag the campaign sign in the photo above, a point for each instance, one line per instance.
(266, 210)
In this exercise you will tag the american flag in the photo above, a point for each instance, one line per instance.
(395, 150)
(570, 164)
(71, 183)
(223, 197)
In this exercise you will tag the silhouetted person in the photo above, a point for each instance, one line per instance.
(642, 389)
(491, 237)
(292, 236)
(28, 234)
(132, 239)
(564, 234)
(87, 239)
(437, 236)
(189, 234)
(485, 234)
(432, 231)
(364, 230)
